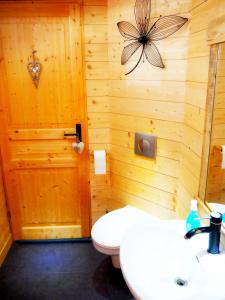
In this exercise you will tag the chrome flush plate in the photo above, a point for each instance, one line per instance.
(145, 145)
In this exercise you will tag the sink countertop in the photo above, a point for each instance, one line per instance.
(153, 277)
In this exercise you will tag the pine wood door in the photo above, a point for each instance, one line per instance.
(46, 180)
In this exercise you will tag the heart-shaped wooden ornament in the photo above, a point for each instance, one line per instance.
(34, 69)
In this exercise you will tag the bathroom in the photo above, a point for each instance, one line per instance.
(54, 186)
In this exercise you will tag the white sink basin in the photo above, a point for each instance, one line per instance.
(155, 259)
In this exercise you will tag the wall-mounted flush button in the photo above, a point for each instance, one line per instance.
(145, 145)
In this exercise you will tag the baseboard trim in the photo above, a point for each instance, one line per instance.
(5, 249)
(49, 241)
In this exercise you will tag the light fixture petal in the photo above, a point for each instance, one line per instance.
(142, 12)
(128, 30)
(152, 55)
(166, 26)
(128, 51)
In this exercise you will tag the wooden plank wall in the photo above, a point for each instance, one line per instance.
(5, 234)
(202, 13)
(169, 103)
(149, 100)
(216, 175)
(97, 90)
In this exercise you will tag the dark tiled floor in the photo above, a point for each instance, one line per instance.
(58, 271)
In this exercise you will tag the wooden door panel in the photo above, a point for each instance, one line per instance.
(38, 134)
(49, 196)
(51, 232)
(42, 150)
(17, 10)
(31, 109)
(47, 181)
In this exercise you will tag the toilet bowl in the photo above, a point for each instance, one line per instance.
(108, 232)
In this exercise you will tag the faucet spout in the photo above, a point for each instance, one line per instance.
(195, 231)
(213, 230)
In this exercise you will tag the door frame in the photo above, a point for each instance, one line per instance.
(84, 161)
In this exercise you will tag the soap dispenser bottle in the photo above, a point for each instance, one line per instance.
(193, 220)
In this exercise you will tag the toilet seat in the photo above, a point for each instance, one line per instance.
(108, 232)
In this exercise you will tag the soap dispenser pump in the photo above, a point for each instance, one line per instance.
(193, 220)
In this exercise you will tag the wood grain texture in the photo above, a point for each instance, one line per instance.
(149, 100)
(214, 56)
(215, 181)
(47, 182)
(216, 176)
(97, 90)
(5, 232)
(169, 103)
(203, 27)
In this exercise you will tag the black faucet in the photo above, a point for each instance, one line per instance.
(214, 230)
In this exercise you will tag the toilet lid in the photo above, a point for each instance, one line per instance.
(109, 230)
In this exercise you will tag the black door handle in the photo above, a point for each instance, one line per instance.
(78, 133)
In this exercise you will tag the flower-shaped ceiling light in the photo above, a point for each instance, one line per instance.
(144, 37)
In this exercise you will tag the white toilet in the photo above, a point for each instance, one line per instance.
(108, 232)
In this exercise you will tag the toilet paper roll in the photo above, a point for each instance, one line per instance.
(100, 162)
(223, 157)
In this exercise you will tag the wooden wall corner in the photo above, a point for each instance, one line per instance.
(5, 249)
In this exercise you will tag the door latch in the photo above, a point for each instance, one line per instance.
(78, 145)
(76, 134)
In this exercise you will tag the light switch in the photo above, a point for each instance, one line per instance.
(145, 145)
